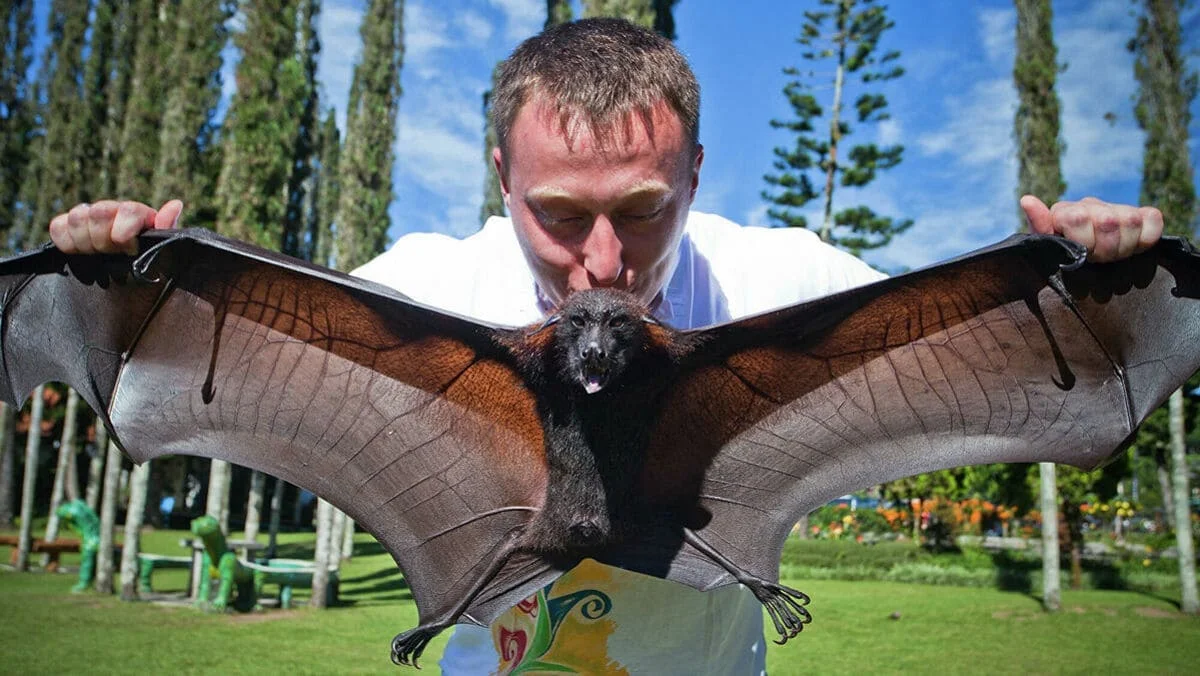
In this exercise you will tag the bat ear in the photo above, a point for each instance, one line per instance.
(550, 321)
(649, 319)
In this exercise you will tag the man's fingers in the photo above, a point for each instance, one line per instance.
(1152, 227)
(78, 229)
(1038, 215)
(168, 215)
(99, 221)
(1071, 220)
(1106, 224)
(60, 234)
(131, 219)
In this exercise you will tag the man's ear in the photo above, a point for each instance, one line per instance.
(498, 166)
(696, 169)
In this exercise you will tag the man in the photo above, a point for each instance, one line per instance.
(599, 162)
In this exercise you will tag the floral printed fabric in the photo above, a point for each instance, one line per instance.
(563, 628)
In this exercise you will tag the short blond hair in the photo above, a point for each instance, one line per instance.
(597, 72)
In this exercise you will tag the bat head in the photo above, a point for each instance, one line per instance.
(599, 332)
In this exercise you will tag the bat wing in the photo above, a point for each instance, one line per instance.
(408, 419)
(1015, 353)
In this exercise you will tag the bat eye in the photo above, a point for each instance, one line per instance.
(616, 322)
(577, 322)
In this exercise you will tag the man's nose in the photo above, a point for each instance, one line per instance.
(602, 253)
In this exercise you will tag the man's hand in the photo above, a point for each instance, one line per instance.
(108, 226)
(1109, 231)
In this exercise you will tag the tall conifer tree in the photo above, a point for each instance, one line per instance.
(17, 130)
(17, 109)
(840, 42)
(261, 126)
(1036, 128)
(1167, 89)
(59, 154)
(187, 132)
(328, 192)
(365, 166)
(301, 203)
(152, 22)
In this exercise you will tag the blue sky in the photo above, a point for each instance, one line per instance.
(952, 110)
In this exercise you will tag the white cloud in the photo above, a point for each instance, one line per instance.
(425, 32)
(475, 28)
(889, 132)
(442, 161)
(978, 128)
(1098, 80)
(523, 18)
(997, 28)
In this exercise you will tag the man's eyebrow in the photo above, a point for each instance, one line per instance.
(648, 188)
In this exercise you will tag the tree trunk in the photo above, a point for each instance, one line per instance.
(66, 447)
(1051, 585)
(8, 419)
(33, 439)
(321, 557)
(96, 471)
(138, 482)
(219, 475)
(1162, 470)
(1183, 518)
(337, 539)
(348, 539)
(254, 503)
(108, 511)
(71, 485)
(276, 508)
(835, 126)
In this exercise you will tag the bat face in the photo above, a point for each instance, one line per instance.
(599, 333)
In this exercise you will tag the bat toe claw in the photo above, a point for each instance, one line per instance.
(784, 605)
(407, 647)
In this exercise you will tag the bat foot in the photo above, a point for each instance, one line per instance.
(407, 647)
(785, 606)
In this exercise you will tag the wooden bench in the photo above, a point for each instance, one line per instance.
(37, 546)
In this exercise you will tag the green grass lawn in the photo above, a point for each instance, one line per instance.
(46, 630)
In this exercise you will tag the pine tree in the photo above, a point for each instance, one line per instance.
(152, 22)
(1039, 149)
(493, 196)
(1036, 126)
(657, 15)
(186, 134)
(365, 165)
(17, 110)
(848, 34)
(98, 71)
(59, 158)
(301, 203)
(115, 92)
(327, 192)
(261, 126)
(557, 11)
(1166, 91)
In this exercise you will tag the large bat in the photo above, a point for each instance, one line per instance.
(490, 460)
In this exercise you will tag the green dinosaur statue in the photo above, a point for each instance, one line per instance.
(80, 518)
(219, 561)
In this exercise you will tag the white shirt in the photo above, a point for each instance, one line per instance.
(725, 271)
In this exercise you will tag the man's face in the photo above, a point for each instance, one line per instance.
(593, 217)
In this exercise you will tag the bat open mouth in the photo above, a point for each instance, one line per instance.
(594, 374)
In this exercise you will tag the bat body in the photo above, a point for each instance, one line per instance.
(489, 460)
